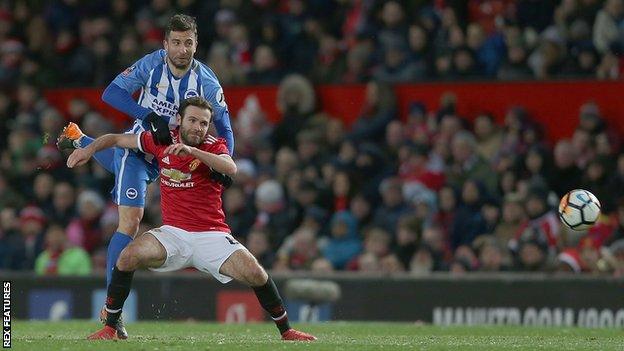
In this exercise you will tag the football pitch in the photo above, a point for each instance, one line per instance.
(162, 336)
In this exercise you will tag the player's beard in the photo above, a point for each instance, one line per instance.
(181, 64)
(191, 139)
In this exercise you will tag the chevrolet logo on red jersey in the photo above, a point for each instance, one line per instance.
(175, 175)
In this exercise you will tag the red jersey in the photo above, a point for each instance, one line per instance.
(190, 200)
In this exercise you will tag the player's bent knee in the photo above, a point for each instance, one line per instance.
(126, 261)
(130, 258)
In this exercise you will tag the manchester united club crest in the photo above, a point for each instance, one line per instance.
(194, 164)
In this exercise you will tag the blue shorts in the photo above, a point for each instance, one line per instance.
(133, 173)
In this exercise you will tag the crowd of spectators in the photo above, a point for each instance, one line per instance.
(86, 43)
(434, 191)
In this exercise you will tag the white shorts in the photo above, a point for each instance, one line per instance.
(205, 251)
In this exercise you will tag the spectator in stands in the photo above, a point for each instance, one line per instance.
(407, 238)
(419, 50)
(23, 249)
(296, 102)
(533, 253)
(397, 66)
(393, 30)
(272, 215)
(376, 247)
(465, 64)
(542, 225)
(492, 254)
(414, 167)
(378, 110)
(329, 65)
(548, 58)
(488, 135)
(606, 27)
(515, 65)
(596, 180)
(393, 205)
(258, 244)
(467, 164)
(566, 175)
(85, 231)
(468, 222)
(358, 62)
(59, 258)
(361, 208)
(265, 68)
(43, 186)
(344, 243)
(422, 262)
(239, 216)
(342, 191)
(219, 61)
(299, 251)
(513, 215)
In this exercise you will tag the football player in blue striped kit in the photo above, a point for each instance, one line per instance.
(164, 77)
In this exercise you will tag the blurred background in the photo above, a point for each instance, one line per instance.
(373, 138)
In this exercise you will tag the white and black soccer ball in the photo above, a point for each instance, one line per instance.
(579, 209)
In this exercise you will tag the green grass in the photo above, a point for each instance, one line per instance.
(161, 336)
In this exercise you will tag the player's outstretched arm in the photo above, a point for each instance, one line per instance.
(122, 100)
(224, 129)
(119, 92)
(220, 163)
(80, 156)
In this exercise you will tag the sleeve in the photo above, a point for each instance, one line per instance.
(123, 101)
(146, 144)
(136, 76)
(219, 147)
(214, 94)
(119, 92)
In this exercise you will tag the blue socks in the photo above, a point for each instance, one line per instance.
(117, 243)
(106, 157)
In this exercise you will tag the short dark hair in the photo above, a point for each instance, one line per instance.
(196, 101)
(181, 23)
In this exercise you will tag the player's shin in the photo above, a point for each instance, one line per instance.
(271, 301)
(117, 243)
(106, 157)
(118, 291)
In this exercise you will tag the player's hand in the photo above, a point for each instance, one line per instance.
(79, 157)
(159, 128)
(178, 149)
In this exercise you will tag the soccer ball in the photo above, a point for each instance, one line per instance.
(579, 209)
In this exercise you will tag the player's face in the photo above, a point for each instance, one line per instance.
(180, 47)
(194, 125)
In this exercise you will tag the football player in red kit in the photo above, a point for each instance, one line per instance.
(194, 232)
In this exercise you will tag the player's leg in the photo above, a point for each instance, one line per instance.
(131, 178)
(132, 175)
(144, 252)
(72, 138)
(129, 220)
(225, 258)
(243, 267)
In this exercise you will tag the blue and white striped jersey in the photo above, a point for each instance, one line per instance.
(162, 92)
